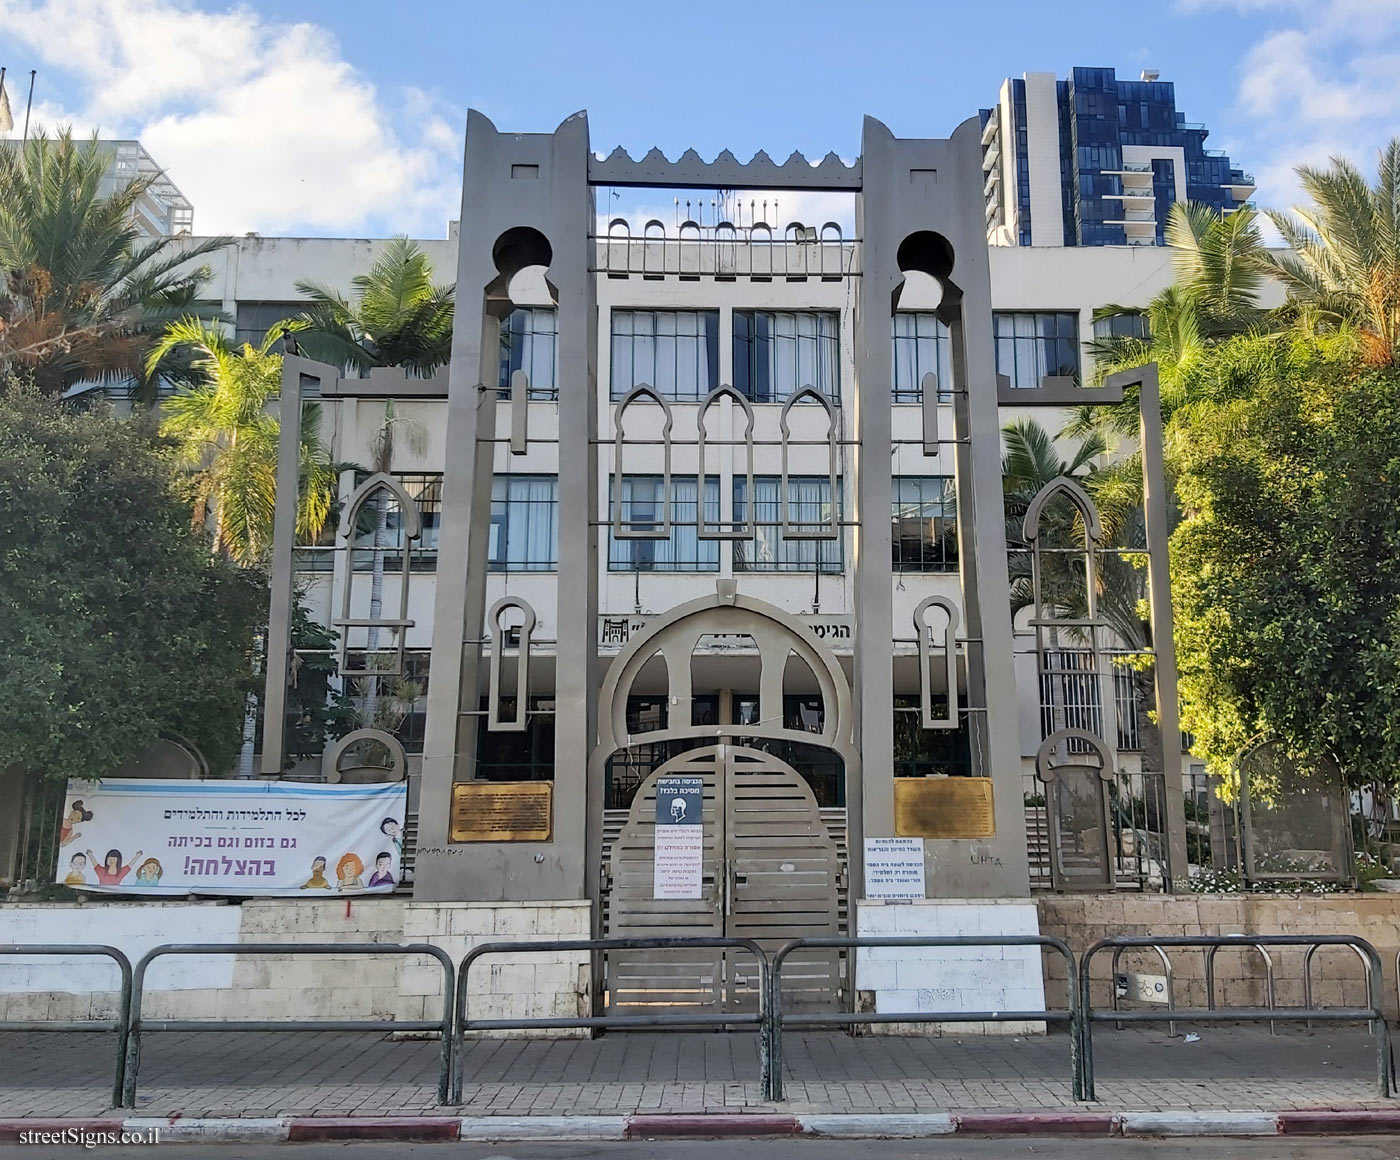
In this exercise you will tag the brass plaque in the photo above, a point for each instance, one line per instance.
(943, 807)
(502, 811)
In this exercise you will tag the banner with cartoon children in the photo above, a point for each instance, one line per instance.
(162, 836)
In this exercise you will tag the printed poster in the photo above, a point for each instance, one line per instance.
(680, 838)
(894, 869)
(166, 836)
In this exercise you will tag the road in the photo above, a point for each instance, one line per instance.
(1274, 1148)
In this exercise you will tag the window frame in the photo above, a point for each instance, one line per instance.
(822, 351)
(933, 557)
(498, 542)
(1020, 346)
(942, 341)
(705, 336)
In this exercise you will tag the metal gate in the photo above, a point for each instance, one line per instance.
(770, 873)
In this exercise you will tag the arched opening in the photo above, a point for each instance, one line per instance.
(739, 694)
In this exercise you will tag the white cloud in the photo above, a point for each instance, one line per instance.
(1322, 79)
(262, 125)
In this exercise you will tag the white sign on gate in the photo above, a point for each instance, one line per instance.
(679, 857)
(894, 869)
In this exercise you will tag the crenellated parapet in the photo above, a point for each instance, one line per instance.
(726, 171)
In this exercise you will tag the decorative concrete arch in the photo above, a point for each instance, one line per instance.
(720, 531)
(673, 637)
(624, 531)
(412, 521)
(1064, 485)
(398, 767)
(495, 723)
(1045, 769)
(831, 529)
(950, 661)
(1048, 772)
(398, 625)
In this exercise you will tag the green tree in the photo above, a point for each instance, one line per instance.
(1343, 263)
(85, 294)
(116, 626)
(397, 318)
(227, 439)
(1217, 260)
(1286, 593)
(317, 712)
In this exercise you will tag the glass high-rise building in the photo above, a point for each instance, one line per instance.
(1095, 160)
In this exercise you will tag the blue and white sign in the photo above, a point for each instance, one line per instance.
(680, 801)
(679, 859)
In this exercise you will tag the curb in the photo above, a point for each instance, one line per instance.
(1306, 1122)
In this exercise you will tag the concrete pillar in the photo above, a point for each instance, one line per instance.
(525, 201)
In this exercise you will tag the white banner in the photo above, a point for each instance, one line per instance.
(162, 836)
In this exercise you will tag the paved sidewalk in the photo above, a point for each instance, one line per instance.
(338, 1074)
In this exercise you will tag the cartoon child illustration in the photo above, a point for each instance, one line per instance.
(383, 874)
(391, 829)
(348, 871)
(149, 872)
(75, 814)
(112, 870)
(317, 881)
(77, 871)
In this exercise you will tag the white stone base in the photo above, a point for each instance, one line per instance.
(398, 987)
(891, 980)
(528, 986)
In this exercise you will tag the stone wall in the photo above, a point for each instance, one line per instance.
(271, 986)
(1339, 979)
(971, 979)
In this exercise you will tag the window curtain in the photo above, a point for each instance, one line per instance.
(524, 524)
(684, 551)
(675, 351)
(809, 503)
(922, 344)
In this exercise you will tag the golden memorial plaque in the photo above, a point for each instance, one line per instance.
(943, 807)
(502, 811)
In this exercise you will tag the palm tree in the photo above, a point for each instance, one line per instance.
(225, 434)
(1217, 260)
(85, 294)
(398, 317)
(394, 428)
(1344, 265)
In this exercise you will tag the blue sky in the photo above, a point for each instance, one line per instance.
(334, 117)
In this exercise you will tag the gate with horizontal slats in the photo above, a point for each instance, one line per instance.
(771, 872)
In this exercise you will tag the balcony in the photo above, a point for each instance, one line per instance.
(725, 252)
(992, 155)
(992, 127)
(993, 180)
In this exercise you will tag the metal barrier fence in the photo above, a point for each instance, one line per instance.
(119, 1024)
(1270, 990)
(1068, 1016)
(758, 1019)
(768, 1018)
(1371, 1013)
(136, 1025)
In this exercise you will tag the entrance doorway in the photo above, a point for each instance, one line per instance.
(770, 872)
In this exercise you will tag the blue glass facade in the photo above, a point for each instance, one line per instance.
(1099, 115)
(1023, 176)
